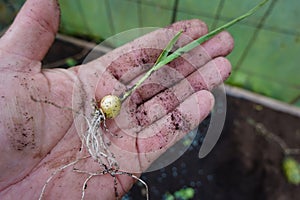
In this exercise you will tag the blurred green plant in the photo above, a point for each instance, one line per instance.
(291, 169)
(8, 10)
(182, 194)
(71, 62)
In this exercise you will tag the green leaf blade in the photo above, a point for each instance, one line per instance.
(168, 48)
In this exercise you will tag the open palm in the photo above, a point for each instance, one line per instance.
(38, 137)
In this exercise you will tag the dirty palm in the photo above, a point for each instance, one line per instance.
(110, 105)
(105, 141)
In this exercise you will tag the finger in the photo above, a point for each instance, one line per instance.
(147, 144)
(220, 45)
(33, 30)
(134, 117)
(172, 127)
(129, 60)
(205, 78)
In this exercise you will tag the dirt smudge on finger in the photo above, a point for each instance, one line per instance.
(156, 107)
(131, 64)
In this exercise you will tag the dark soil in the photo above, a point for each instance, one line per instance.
(243, 165)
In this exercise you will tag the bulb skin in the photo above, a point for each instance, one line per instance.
(111, 106)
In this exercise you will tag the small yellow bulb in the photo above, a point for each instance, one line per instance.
(111, 106)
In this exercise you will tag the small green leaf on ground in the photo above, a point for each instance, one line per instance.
(71, 62)
(291, 169)
(182, 194)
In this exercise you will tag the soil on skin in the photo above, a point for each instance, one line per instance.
(243, 165)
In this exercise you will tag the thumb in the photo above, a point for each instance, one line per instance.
(33, 30)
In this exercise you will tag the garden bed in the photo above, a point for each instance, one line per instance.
(244, 164)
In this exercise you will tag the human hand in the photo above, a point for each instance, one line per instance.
(37, 138)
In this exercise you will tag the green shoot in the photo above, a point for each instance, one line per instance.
(164, 58)
(168, 48)
(160, 58)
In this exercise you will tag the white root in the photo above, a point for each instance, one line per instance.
(57, 171)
